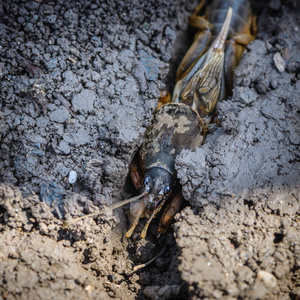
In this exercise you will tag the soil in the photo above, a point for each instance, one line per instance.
(79, 84)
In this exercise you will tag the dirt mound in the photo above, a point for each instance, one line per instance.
(79, 83)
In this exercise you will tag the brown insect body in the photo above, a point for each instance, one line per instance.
(183, 123)
(205, 74)
(175, 127)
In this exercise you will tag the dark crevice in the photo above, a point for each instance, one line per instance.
(249, 203)
(234, 242)
(278, 238)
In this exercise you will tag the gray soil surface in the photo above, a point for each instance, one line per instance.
(79, 84)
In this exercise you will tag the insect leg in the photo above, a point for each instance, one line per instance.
(136, 175)
(199, 21)
(174, 206)
(164, 98)
(194, 53)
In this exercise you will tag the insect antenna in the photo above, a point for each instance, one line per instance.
(67, 223)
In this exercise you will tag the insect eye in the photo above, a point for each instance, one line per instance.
(167, 189)
(146, 185)
(146, 181)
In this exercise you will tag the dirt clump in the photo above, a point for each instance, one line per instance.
(241, 240)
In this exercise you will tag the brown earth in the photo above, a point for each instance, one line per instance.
(79, 83)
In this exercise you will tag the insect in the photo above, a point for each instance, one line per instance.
(204, 77)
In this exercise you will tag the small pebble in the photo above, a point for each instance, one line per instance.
(279, 62)
(43, 228)
(268, 279)
(89, 288)
(72, 176)
(274, 84)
